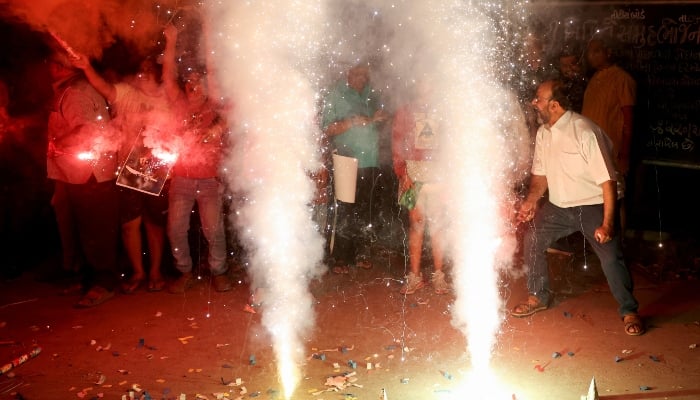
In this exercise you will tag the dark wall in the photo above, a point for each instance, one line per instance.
(659, 44)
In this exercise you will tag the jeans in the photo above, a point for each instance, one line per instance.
(552, 223)
(208, 195)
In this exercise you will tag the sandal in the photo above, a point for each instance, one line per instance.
(95, 296)
(633, 325)
(532, 306)
(76, 288)
(156, 285)
(130, 286)
(341, 269)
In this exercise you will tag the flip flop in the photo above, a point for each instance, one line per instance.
(130, 286)
(76, 288)
(95, 296)
(156, 285)
(633, 325)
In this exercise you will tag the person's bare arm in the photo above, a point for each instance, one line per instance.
(606, 230)
(106, 89)
(169, 77)
(213, 88)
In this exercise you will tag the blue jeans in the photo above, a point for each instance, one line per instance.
(208, 195)
(552, 223)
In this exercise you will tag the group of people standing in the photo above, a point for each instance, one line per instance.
(93, 125)
(581, 154)
(582, 138)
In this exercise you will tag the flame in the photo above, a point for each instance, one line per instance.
(166, 156)
(484, 384)
(288, 371)
(86, 156)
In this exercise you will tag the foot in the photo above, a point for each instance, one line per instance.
(364, 264)
(633, 325)
(413, 283)
(222, 283)
(439, 284)
(181, 284)
(155, 284)
(130, 286)
(73, 289)
(533, 305)
(341, 269)
(95, 296)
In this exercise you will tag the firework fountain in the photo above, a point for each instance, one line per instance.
(267, 61)
(266, 56)
(485, 148)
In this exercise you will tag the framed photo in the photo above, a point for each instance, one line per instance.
(146, 169)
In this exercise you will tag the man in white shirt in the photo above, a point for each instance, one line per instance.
(573, 160)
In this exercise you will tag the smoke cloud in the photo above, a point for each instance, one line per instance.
(463, 49)
(92, 26)
(265, 56)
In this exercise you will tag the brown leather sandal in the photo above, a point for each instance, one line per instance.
(633, 325)
(530, 307)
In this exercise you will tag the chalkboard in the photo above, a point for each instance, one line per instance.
(659, 44)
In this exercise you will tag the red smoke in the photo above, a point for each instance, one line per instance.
(91, 26)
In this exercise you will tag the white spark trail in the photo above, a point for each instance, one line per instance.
(487, 143)
(455, 46)
(485, 129)
(265, 63)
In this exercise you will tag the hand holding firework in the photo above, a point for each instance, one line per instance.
(64, 45)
